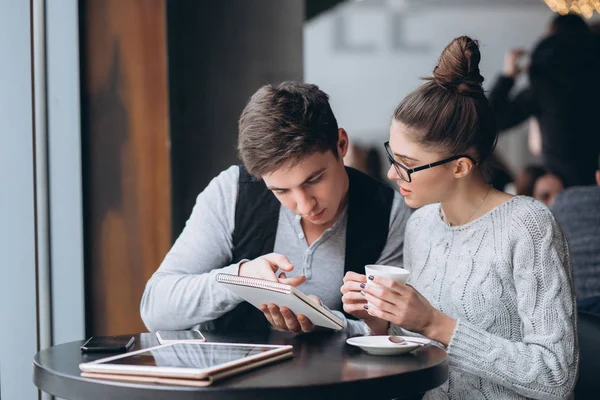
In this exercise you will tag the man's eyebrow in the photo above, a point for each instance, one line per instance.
(310, 177)
(405, 157)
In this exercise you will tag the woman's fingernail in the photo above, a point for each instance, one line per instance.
(362, 292)
(371, 277)
(366, 307)
(362, 285)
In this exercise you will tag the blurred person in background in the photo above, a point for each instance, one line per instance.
(563, 95)
(578, 212)
(534, 141)
(537, 182)
(547, 187)
(365, 159)
(526, 179)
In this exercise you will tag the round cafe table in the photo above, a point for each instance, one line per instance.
(323, 366)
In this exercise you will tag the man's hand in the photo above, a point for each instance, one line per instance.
(283, 319)
(264, 267)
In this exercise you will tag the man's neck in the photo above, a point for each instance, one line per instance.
(313, 231)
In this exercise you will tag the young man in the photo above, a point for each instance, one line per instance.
(333, 220)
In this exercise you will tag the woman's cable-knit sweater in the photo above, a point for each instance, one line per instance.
(506, 279)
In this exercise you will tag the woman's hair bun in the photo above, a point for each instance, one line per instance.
(458, 67)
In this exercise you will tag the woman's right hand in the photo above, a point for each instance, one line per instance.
(354, 303)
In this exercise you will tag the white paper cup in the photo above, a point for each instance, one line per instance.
(397, 274)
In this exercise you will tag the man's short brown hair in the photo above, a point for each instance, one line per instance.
(282, 125)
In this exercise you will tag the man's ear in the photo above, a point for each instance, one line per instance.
(343, 143)
(462, 167)
(598, 177)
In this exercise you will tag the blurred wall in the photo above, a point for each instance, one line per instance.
(220, 53)
(125, 140)
(163, 85)
(368, 55)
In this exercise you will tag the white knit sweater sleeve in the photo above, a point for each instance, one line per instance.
(408, 262)
(544, 364)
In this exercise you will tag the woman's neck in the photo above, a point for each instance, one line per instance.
(469, 200)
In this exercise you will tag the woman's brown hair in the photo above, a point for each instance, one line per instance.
(450, 112)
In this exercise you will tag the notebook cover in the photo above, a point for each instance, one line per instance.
(260, 291)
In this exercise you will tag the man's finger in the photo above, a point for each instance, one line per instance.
(269, 276)
(278, 319)
(315, 299)
(290, 319)
(267, 313)
(305, 324)
(278, 261)
(294, 281)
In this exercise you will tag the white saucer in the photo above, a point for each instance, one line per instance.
(381, 345)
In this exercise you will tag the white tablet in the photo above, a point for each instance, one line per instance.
(185, 360)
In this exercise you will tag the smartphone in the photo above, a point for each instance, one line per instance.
(193, 336)
(108, 344)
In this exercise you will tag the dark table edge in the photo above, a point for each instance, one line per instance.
(52, 382)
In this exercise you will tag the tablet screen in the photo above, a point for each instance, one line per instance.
(190, 355)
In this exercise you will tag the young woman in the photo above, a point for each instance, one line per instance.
(490, 273)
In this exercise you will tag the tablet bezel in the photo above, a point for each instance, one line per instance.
(99, 366)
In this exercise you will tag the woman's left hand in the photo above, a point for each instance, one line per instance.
(404, 306)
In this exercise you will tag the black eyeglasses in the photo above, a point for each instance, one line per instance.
(405, 173)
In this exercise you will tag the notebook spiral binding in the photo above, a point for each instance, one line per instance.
(253, 282)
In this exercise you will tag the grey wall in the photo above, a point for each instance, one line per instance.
(220, 52)
(368, 55)
(18, 327)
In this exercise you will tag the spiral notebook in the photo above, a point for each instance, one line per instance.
(260, 291)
